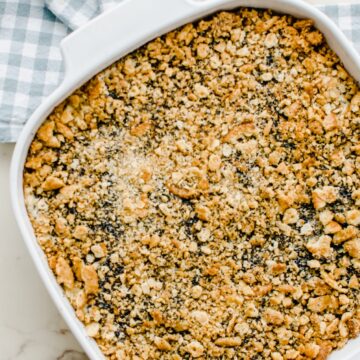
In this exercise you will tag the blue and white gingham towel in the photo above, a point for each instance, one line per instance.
(30, 60)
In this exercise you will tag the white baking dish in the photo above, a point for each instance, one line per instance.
(108, 38)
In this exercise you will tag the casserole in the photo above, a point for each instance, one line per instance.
(80, 66)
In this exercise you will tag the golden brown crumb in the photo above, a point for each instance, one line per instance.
(200, 197)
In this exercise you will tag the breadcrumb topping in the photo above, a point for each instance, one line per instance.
(200, 197)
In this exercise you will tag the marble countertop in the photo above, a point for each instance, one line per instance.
(30, 326)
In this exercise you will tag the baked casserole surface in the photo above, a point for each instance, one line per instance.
(200, 197)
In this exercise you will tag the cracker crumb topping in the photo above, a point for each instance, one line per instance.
(200, 197)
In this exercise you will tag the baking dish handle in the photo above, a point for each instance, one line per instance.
(132, 23)
(119, 31)
(126, 27)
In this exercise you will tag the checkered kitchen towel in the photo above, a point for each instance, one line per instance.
(30, 60)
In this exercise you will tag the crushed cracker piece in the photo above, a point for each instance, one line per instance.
(64, 273)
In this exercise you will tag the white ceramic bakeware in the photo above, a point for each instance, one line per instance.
(103, 41)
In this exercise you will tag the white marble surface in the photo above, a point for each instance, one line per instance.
(30, 326)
